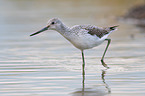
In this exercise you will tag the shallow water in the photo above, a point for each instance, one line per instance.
(48, 65)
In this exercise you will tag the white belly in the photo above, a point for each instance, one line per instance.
(87, 42)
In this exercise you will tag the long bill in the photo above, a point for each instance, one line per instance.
(44, 29)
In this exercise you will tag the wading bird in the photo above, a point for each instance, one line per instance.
(81, 36)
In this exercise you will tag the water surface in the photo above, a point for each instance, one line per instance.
(48, 65)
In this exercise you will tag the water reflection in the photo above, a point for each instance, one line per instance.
(103, 79)
(93, 91)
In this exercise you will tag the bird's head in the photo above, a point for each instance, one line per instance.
(53, 24)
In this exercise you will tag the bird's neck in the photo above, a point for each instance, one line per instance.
(63, 29)
(65, 32)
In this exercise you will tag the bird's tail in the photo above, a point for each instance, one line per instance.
(112, 28)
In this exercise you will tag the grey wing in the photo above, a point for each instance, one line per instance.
(79, 29)
(93, 30)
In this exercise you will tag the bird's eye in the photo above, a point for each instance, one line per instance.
(52, 23)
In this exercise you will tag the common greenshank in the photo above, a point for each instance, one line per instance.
(81, 36)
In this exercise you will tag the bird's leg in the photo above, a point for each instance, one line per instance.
(102, 59)
(83, 59)
(83, 69)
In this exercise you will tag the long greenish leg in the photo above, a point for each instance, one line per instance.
(83, 70)
(102, 59)
(83, 59)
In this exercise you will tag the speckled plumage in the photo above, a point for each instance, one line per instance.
(92, 30)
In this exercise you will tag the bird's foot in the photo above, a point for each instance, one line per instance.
(104, 64)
